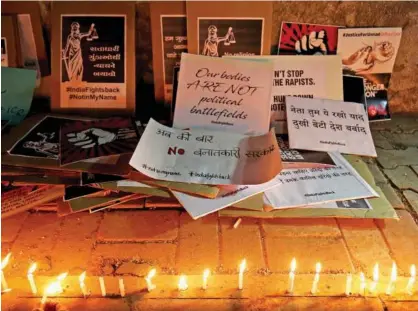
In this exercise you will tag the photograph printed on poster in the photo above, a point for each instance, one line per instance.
(230, 36)
(81, 140)
(93, 52)
(308, 39)
(42, 141)
(4, 57)
(377, 96)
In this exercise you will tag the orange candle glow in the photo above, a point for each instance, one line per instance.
(362, 284)
(54, 288)
(292, 276)
(393, 277)
(148, 279)
(348, 283)
(375, 278)
(182, 283)
(411, 281)
(242, 267)
(4, 262)
(314, 288)
(206, 274)
(102, 286)
(81, 279)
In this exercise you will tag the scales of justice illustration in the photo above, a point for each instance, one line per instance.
(72, 54)
(210, 47)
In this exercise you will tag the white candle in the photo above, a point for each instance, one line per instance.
(182, 283)
(148, 279)
(348, 283)
(411, 281)
(81, 279)
(32, 284)
(375, 278)
(102, 286)
(4, 262)
(314, 288)
(392, 281)
(362, 284)
(292, 276)
(206, 274)
(121, 287)
(241, 274)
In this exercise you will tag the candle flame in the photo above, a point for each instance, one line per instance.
(413, 271)
(376, 272)
(62, 276)
(293, 265)
(394, 272)
(5, 261)
(182, 283)
(151, 274)
(242, 266)
(32, 268)
(362, 277)
(206, 273)
(82, 277)
(318, 267)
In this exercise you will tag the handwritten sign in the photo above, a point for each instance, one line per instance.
(218, 93)
(17, 86)
(327, 125)
(206, 157)
(301, 76)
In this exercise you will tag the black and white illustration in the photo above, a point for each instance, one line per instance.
(93, 49)
(229, 36)
(42, 141)
(4, 57)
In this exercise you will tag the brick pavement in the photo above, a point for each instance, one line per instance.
(128, 243)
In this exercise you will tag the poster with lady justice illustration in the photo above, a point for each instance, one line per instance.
(93, 61)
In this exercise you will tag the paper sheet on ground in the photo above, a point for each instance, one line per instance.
(206, 157)
(223, 93)
(310, 186)
(199, 207)
(17, 86)
(328, 125)
(302, 76)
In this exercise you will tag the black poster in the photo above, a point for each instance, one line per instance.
(174, 36)
(176, 71)
(4, 60)
(354, 90)
(229, 36)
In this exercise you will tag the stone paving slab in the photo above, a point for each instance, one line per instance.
(412, 198)
(394, 158)
(403, 177)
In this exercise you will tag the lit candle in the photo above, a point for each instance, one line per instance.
(392, 281)
(102, 286)
(362, 284)
(121, 287)
(148, 279)
(241, 274)
(292, 275)
(81, 279)
(411, 281)
(32, 284)
(375, 278)
(348, 283)
(206, 274)
(183, 283)
(314, 288)
(54, 288)
(4, 262)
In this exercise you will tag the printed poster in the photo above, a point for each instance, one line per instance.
(230, 36)
(371, 53)
(223, 94)
(174, 42)
(206, 157)
(4, 56)
(329, 125)
(354, 90)
(308, 39)
(301, 76)
(93, 61)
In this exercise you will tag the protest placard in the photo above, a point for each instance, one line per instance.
(227, 94)
(302, 187)
(301, 76)
(206, 157)
(327, 125)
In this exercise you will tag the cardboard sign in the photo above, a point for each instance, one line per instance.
(229, 28)
(371, 53)
(17, 88)
(327, 125)
(169, 40)
(301, 76)
(206, 157)
(93, 56)
(308, 39)
(220, 93)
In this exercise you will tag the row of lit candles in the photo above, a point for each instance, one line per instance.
(56, 288)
